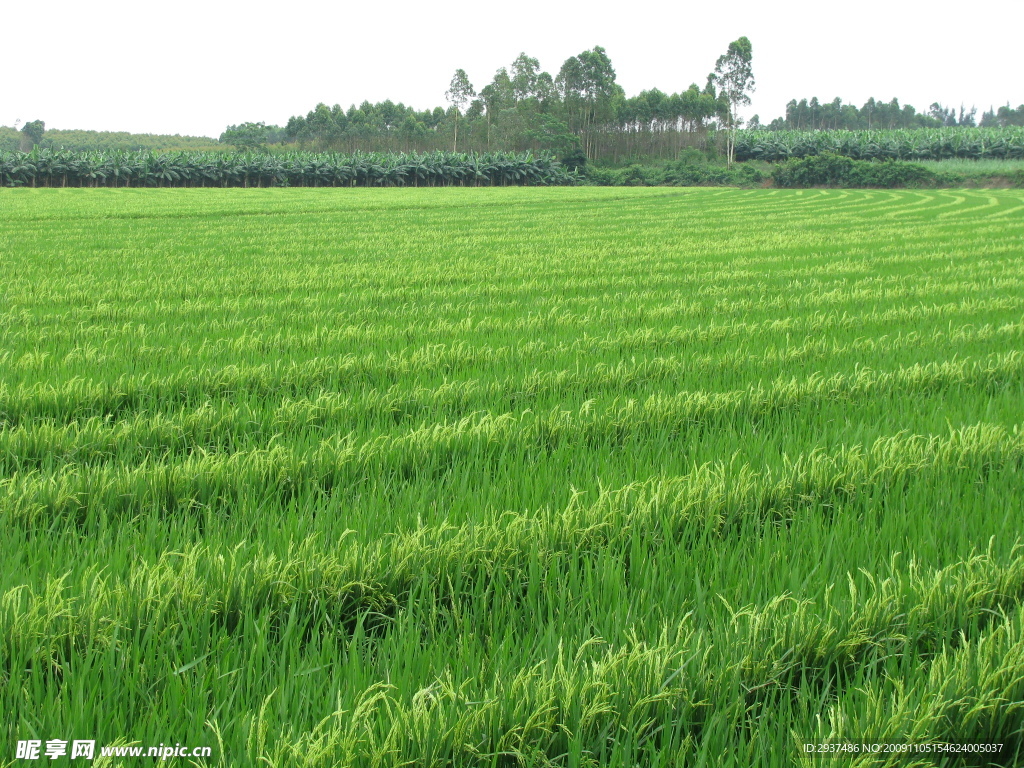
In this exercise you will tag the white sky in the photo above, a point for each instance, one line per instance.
(193, 67)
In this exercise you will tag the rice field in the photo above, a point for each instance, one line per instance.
(513, 477)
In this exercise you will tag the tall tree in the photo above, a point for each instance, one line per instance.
(869, 109)
(497, 96)
(459, 92)
(525, 70)
(588, 89)
(944, 115)
(33, 132)
(547, 93)
(569, 84)
(734, 78)
(967, 118)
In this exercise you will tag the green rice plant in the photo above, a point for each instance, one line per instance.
(508, 476)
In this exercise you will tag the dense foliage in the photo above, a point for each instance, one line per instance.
(1003, 117)
(250, 136)
(924, 144)
(581, 109)
(689, 171)
(105, 141)
(875, 114)
(46, 168)
(837, 171)
(512, 478)
(579, 114)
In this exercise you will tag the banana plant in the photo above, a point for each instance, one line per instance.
(44, 167)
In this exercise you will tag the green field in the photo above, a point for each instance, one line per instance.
(512, 477)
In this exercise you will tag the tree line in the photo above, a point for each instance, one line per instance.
(1004, 117)
(876, 114)
(581, 113)
(35, 134)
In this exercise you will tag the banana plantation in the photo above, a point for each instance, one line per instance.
(917, 144)
(68, 168)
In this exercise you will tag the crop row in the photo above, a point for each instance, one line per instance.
(552, 334)
(492, 477)
(694, 679)
(766, 287)
(320, 332)
(971, 695)
(214, 474)
(95, 438)
(394, 376)
(923, 144)
(70, 168)
(711, 502)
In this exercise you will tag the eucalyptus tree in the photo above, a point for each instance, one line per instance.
(1005, 116)
(525, 71)
(734, 79)
(586, 83)
(547, 93)
(870, 107)
(599, 92)
(497, 96)
(412, 131)
(570, 88)
(459, 92)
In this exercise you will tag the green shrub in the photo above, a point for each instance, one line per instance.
(829, 170)
(692, 170)
(574, 160)
(634, 176)
(751, 174)
(600, 177)
(686, 175)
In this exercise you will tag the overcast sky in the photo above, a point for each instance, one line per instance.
(193, 67)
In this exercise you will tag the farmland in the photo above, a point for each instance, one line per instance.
(923, 144)
(512, 476)
(69, 168)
